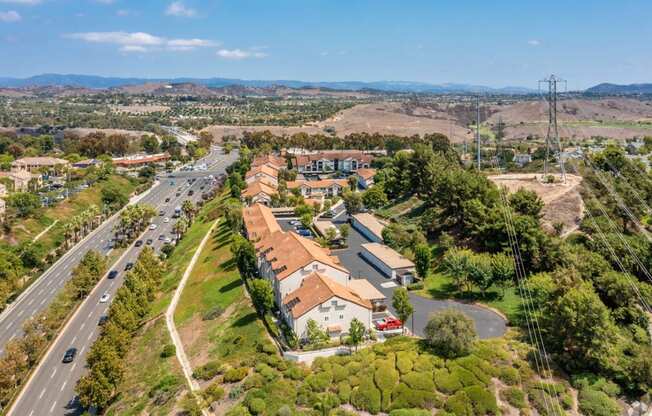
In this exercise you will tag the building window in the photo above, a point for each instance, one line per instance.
(325, 318)
(341, 316)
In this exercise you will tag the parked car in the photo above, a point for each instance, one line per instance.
(295, 223)
(103, 320)
(139, 243)
(69, 355)
(105, 297)
(113, 274)
(304, 232)
(387, 324)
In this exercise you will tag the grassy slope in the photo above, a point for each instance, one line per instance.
(29, 228)
(153, 384)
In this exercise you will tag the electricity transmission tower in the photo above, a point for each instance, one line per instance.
(477, 128)
(552, 137)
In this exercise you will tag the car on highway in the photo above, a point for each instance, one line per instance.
(178, 194)
(191, 192)
(167, 240)
(167, 199)
(149, 241)
(105, 297)
(139, 243)
(129, 266)
(161, 237)
(152, 226)
(161, 213)
(387, 324)
(113, 274)
(166, 220)
(103, 320)
(69, 355)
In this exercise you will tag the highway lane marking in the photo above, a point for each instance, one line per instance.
(52, 407)
(30, 302)
(90, 335)
(9, 326)
(40, 292)
(40, 396)
(31, 413)
(43, 301)
(82, 326)
(54, 372)
(74, 339)
(63, 386)
(73, 367)
(82, 350)
(20, 313)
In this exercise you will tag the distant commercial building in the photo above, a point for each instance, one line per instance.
(138, 161)
(390, 262)
(34, 164)
(86, 163)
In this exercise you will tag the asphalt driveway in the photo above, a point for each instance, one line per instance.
(487, 323)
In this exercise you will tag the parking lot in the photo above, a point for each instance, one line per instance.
(488, 323)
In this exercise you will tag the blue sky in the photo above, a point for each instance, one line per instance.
(495, 43)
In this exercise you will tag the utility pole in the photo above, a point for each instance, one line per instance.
(553, 131)
(477, 128)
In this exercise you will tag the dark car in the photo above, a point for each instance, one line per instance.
(191, 192)
(113, 274)
(167, 199)
(304, 232)
(129, 266)
(149, 242)
(103, 320)
(69, 356)
(139, 243)
(178, 194)
(161, 237)
(161, 213)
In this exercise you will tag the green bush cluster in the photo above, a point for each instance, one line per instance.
(514, 396)
(168, 351)
(213, 393)
(233, 375)
(208, 370)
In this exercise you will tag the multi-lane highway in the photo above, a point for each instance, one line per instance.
(50, 391)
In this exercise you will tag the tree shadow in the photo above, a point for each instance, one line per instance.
(245, 320)
(228, 265)
(232, 285)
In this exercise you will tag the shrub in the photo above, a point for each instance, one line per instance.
(235, 393)
(213, 393)
(267, 347)
(423, 364)
(256, 406)
(459, 404)
(406, 397)
(319, 382)
(404, 365)
(446, 382)
(466, 377)
(168, 351)
(254, 381)
(509, 375)
(238, 410)
(597, 403)
(450, 333)
(514, 396)
(233, 375)
(212, 313)
(208, 370)
(366, 397)
(419, 381)
(484, 401)
(410, 412)
(294, 372)
(354, 381)
(353, 367)
(339, 373)
(344, 391)
(415, 286)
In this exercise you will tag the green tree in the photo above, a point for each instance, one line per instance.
(262, 295)
(245, 256)
(450, 333)
(149, 143)
(456, 264)
(315, 334)
(356, 332)
(24, 203)
(113, 196)
(480, 271)
(374, 197)
(422, 258)
(306, 220)
(502, 269)
(526, 202)
(233, 216)
(353, 182)
(344, 231)
(402, 305)
(352, 202)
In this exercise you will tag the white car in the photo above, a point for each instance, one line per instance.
(167, 240)
(166, 220)
(105, 297)
(295, 222)
(152, 227)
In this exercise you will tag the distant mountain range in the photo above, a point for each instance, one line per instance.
(615, 89)
(98, 82)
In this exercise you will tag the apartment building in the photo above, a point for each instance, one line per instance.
(262, 172)
(324, 187)
(347, 161)
(259, 191)
(259, 222)
(34, 164)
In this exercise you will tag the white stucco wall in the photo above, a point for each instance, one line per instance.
(293, 281)
(260, 175)
(328, 314)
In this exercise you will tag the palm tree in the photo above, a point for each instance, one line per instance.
(67, 233)
(188, 209)
(180, 227)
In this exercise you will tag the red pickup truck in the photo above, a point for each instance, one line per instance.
(386, 324)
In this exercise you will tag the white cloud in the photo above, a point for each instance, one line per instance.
(141, 41)
(179, 9)
(9, 17)
(25, 2)
(533, 42)
(239, 54)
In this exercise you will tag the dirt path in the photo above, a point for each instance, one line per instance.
(48, 228)
(169, 316)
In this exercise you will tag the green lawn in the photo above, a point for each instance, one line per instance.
(398, 208)
(441, 286)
